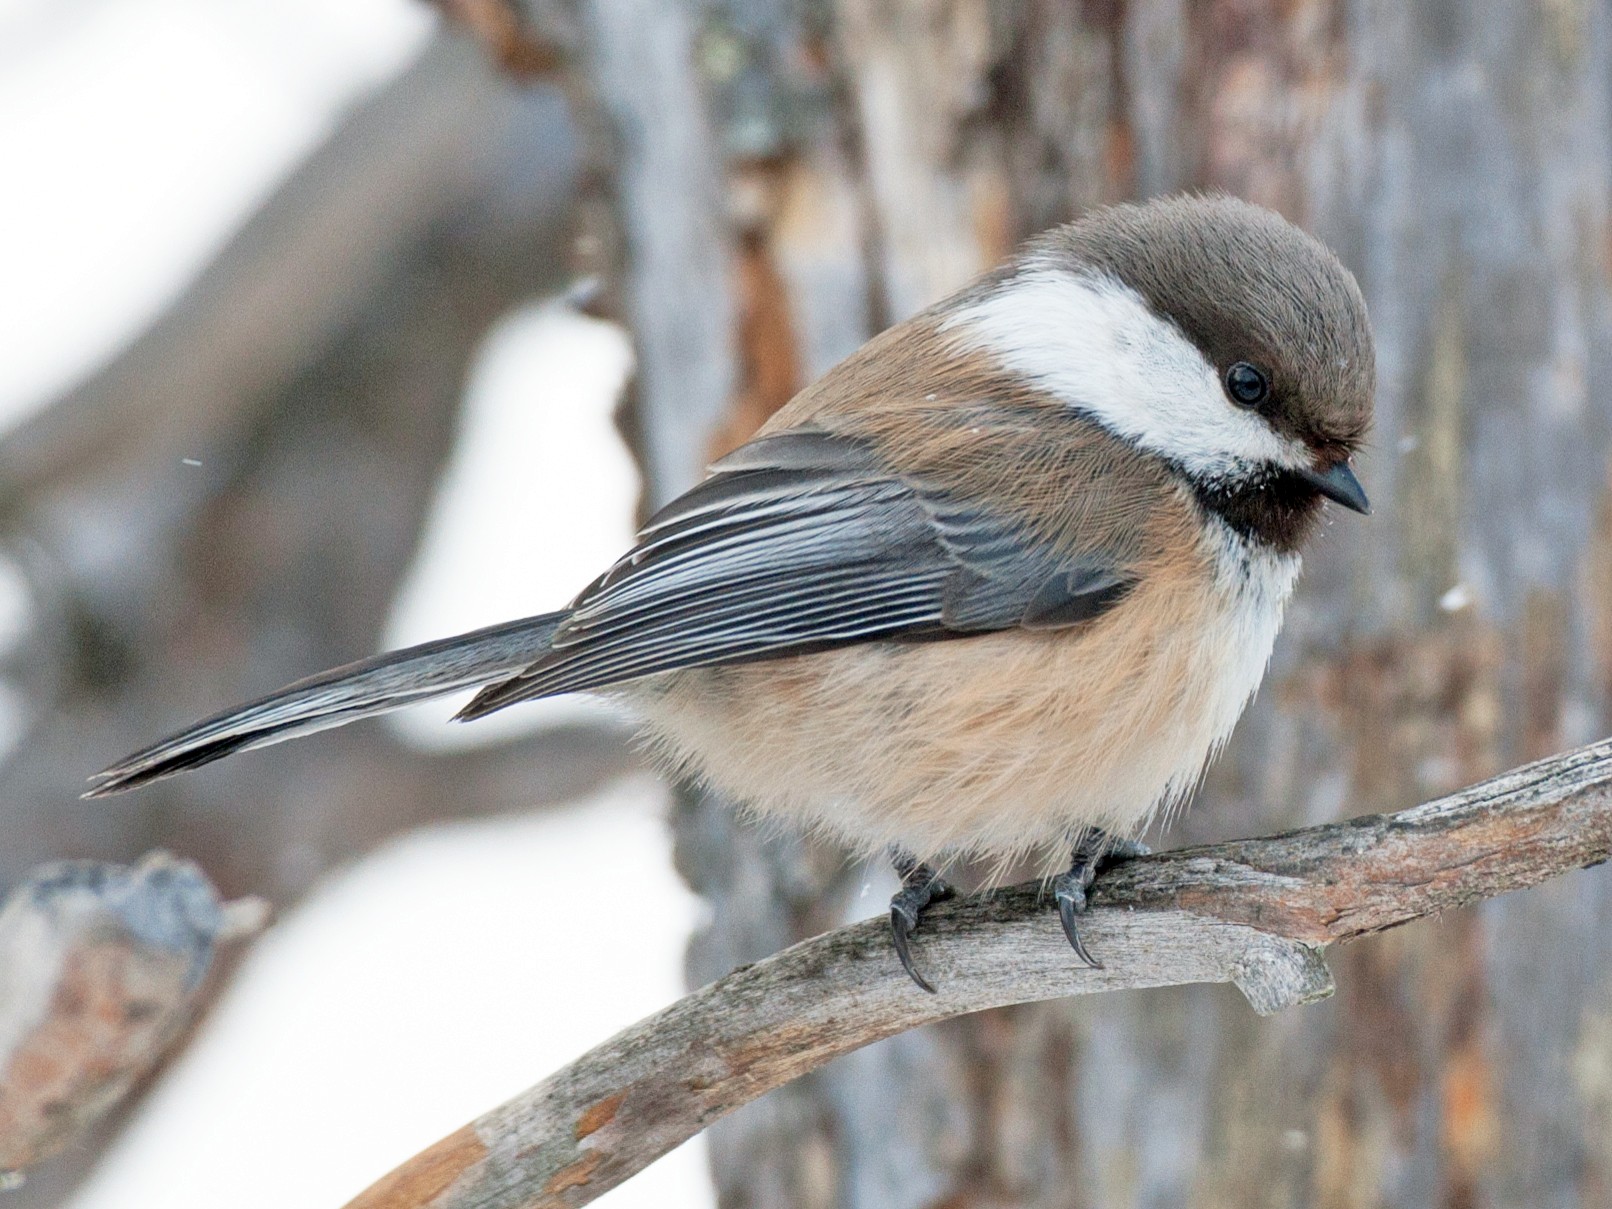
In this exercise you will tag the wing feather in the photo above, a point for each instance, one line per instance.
(803, 540)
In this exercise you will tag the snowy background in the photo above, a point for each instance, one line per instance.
(415, 989)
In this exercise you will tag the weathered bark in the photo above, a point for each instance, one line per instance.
(100, 969)
(1459, 158)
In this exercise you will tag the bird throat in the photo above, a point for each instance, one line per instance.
(1276, 508)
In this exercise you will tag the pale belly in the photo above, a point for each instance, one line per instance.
(1003, 745)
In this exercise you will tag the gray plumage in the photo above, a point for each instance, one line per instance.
(338, 696)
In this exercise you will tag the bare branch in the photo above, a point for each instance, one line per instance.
(420, 149)
(100, 967)
(1253, 912)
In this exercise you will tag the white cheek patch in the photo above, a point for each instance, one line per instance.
(1094, 343)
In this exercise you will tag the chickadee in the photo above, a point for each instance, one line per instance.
(998, 584)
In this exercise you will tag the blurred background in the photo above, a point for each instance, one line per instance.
(330, 327)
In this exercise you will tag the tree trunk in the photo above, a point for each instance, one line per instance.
(791, 178)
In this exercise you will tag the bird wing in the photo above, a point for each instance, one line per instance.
(799, 541)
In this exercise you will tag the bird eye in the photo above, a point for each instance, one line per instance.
(1247, 386)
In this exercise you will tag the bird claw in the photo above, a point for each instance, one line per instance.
(920, 886)
(1071, 896)
(902, 925)
(1095, 852)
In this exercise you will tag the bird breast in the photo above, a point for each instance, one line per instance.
(1001, 745)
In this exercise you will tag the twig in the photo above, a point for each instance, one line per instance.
(100, 966)
(1253, 912)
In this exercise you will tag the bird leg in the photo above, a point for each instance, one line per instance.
(1095, 850)
(920, 886)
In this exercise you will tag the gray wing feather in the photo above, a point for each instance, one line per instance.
(799, 541)
(1077, 595)
(339, 696)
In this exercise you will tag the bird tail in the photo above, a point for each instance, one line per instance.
(339, 696)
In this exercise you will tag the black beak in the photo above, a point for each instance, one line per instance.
(1338, 483)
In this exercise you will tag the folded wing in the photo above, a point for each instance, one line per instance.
(800, 541)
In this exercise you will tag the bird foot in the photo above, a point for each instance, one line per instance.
(920, 886)
(1095, 852)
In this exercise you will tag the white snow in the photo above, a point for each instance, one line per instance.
(134, 139)
(436, 978)
(536, 500)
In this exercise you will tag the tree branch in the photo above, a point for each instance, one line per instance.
(1252, 912)
(423, 148)
(100, 967)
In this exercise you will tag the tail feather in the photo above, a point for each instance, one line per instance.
(339, 696)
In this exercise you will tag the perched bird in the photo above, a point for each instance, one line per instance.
(998, 584)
